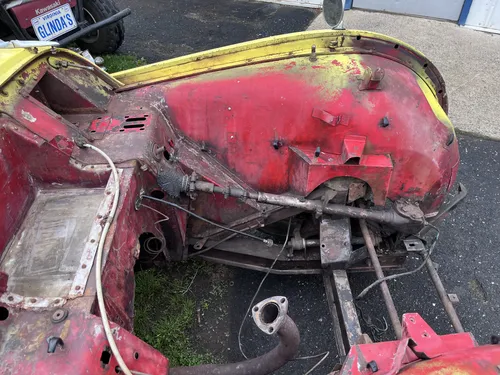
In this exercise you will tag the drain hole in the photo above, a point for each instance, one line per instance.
(105, 356)
(4, 313)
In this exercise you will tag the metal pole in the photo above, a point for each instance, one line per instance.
(448, 306)
(393, 314)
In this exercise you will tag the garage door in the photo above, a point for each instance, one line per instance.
(444, 9)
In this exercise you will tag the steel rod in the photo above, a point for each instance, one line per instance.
(448, 306)
(391, 308)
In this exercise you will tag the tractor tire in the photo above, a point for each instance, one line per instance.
(109, 38)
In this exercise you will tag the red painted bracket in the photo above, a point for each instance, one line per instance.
(307, 171)
(330, 119)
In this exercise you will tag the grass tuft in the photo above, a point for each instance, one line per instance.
(165, 312)
(116, 63)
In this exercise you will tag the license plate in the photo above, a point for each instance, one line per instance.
(54, 23)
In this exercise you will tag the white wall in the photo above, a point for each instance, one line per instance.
(484, 15)
(303, 3)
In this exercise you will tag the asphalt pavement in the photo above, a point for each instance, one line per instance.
(161, 29)
(467, 252)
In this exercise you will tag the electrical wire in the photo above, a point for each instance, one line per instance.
(147, 247)
(392, 277)
(98, 262)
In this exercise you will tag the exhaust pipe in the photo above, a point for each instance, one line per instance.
(271, 317)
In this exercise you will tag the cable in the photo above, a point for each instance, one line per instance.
(392, 277)
(260, 286)
(319, 362)
(98, 262)
(147, 247)
(155, 210)
(212, 246)
(324, 354)
(266, 241)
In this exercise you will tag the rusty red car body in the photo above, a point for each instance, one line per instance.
(262, 116)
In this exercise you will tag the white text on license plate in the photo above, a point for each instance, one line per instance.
(54, 23)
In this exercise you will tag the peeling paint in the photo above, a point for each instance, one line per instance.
(28, 116)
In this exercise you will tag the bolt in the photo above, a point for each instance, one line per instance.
(276, 144)
(317, 152)
(372, 365)
(384, 123)
(313, 53)
(333, 44)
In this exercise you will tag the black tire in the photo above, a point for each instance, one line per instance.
(109, 38)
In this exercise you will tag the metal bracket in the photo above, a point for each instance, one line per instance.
(335, 238)
(414, 245)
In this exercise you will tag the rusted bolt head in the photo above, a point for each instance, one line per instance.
(333, 44)
(59, 315)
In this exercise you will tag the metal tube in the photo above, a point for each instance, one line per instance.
(391, 308)
(388, 217)
(448, 306)
(286, 350)
(114, 18)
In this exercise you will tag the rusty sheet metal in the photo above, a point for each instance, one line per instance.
(42, 262)
(282, 47)
(238, 121)
(335, 238)
(342, 309)
(84, 343)
(92, 240)
(428, 354)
